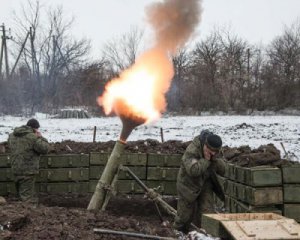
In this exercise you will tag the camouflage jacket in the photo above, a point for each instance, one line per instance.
(26, 148)
(194, 171)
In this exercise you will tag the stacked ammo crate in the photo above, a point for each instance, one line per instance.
(66, 173)
(255, 189)
(137, 162)
(6, 177)
(162, 170)
(291, 191)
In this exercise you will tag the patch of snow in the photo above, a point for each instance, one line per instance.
(234, 130)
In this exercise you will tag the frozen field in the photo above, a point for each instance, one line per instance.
(235, 130)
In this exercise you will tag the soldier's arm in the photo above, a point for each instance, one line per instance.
(194, 165)
(41, 145)
(218, 165)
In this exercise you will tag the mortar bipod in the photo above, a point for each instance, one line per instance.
(156, 197)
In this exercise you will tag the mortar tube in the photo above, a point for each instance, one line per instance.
(107, 177)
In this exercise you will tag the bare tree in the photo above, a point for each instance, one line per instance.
(176, 96)
(52, 53)
(122, 52)
(284, 59)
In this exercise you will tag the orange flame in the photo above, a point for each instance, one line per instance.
(139, 91)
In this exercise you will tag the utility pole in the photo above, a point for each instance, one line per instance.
(3, 52)
(18, 58)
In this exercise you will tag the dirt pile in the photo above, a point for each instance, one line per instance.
(59, 218)
(243, 155)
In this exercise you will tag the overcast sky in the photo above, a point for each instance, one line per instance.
(257, 21)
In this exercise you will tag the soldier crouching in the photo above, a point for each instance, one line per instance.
(197, 180)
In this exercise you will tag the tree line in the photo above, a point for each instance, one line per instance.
(48, 68)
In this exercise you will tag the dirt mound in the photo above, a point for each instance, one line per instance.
(247, 157)
(243, 155)
(57, 218)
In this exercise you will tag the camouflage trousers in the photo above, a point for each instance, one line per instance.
(25, 187)
(188, 212)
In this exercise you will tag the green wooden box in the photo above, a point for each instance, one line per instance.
(163, 187)
(292, 211)
(291, 193)
(64, 161)
(162, 173)
(63, 174)
(139, 171)
(260, 196)
(291, 174)
(214, 227)
(4, 160)
(255, 195)
(260, 176)
(131, 186)
(6, 175)
(64, 187)
(240, 207)
(230, 171)
(7, 188)
(164, 160)
(128, 159)
(122, 186)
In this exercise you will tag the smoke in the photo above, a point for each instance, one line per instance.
(174, 21)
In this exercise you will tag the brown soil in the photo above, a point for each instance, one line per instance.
(66, 217)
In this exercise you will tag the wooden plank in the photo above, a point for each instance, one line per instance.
(263, 229)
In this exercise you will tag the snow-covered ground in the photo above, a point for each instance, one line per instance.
(234, 130)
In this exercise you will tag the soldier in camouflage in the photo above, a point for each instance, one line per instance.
(196, 180)
(26, 144)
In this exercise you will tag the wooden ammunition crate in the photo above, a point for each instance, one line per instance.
(127, 159)
(163, 187)
(122, 186)
(63, 187)
(4, 160)
(7, 188)
(139, 171)
(250, 226)
(237, 206)
(164, 160)
(292, 211)
(255, 195)
(6, 175)
(291, 193)
(260, 176)
(63, 174)
(162, 173)
(64, 161)
(291, 174)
